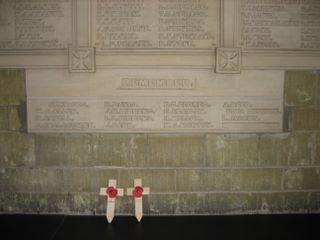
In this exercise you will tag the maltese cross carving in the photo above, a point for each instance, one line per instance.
(81, 60)
(228, 60)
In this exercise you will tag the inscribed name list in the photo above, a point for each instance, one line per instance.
(280, 25)
(35, 24)
(141, 24)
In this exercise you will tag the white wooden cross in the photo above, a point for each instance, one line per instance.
(137, 192)
(111, 192)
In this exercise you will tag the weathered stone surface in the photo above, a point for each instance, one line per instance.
(256, 179)
(311, 178)
(176, 150)
(318, 90)
(293, 178)
(16, 149)
(300, 88)
(14, 119)
(12, 86)
(193, 180)
(268, 203)
(36, 180)
(4, 123)
(316, 160)
(296, 202)
(53, 203)
(233, 203)
(163, 204)
(84, 203)
(87, 179)
(285, 149)
(159, 180)
(120, 150)
(306, 119)
(302, 178)
(64, 150)
(18, 203)
(314, 202)
(192, 204)
(231, 150)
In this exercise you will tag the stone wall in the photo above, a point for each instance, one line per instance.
(187, 173)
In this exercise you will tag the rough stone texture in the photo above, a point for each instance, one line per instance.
(316, 160)
(285, 149)
(36, 180)
(160, 180)
(14, 119)
(232, 150)
(16, 149)
(306, 119)
(203, 180)
(12, 86)
(187, 173)
(4, 122)
(64, 150)
(119, 150)
(300, 88)
(256, 179)
(176, 151)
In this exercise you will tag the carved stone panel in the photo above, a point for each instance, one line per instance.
(34, 24)
(82, 60)
(228, 60)
(155, 24)
(148, 100)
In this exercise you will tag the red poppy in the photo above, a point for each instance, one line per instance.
(137, 191)
(112, 192)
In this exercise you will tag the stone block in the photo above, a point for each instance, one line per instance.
(259, 179)
(5, 180)
(120, 150)
(293, 178)
(230, 203)
(190, 204)
(285, 149)
(314, 202)
(4, 123)
(24, 203)
(306, 119)
(316, 160)
(12, 86)
(82, 203)
(311, 178)
(64, 150)
(232, 150)
(176, 151)
(163, 204)
(159, 180)
(302, 178)
(300, 88)
(269, 203)
(295, 202)
(53, 203)
(36, 180)
(318, 90)
(194, 180)
(14, 119)
(16, 150)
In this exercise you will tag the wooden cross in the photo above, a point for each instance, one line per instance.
(111, 192)
(137, 192)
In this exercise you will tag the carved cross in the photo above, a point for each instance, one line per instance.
(111, 192)
(137, 192)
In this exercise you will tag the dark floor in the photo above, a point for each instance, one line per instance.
(207, 227)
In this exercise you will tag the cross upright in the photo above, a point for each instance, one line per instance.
(111, 192)
(137, 192)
